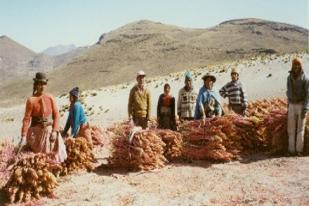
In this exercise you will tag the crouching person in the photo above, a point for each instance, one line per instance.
(77, 119)
(40, 129)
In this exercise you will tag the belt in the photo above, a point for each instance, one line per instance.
(41, 121)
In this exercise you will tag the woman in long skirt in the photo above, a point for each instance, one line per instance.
(166, 110)
(40, 129)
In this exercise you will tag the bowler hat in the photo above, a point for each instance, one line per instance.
(209, 75)
(40, 77)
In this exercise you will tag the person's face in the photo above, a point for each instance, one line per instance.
(167, 90)
(140, 80)
(40, 87)
(208, 83)
(296, 68)
(234, 76)
(72, 99)
(188, 83)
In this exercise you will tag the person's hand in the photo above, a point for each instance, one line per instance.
(131, 122)
(304, 114)
(64, 134)
(179, 117)
(22, 142)
(53, 136)
(244, 105)
(203, 121)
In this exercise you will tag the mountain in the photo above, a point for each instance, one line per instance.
(65, 58)
(160, 49)
(59, 50)
(17, 61)
(13, 58)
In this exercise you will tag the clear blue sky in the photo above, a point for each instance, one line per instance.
(38, 24)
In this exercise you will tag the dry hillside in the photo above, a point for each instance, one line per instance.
(161, 49)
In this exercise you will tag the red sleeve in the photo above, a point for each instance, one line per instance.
(27, 118)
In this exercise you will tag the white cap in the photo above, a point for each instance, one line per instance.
(141, 73)
(235, 70)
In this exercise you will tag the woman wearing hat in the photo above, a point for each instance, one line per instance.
(40, 129)
(208, 100)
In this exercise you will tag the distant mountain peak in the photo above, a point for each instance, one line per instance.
(59, 49)
(146, 21)
(237, 21)
(276, 26)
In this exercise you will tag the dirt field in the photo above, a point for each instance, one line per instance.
(256, 180)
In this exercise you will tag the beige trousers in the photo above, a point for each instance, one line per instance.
(296, 128)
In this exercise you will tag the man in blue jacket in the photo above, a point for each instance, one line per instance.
(298, 101)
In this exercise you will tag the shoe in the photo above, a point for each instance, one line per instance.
(291, 154)
(299, 154)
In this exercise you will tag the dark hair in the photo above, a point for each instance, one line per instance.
(166, 86)
(34, 88)
(35, 84)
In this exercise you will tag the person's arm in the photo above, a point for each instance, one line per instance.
(27, 118)
(199, 108)
(159, 106)
(67, 125)
(179, 104)
(217, 110)
(244, 99)
(173, 107)
(223, 91)
(306, 103)
(56, 116)
(76, 119)
(82, 115)
(288, 88)
(130, 104)
(148, 105)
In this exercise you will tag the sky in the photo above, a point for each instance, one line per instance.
(38, 24)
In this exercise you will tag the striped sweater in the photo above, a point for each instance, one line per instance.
(235, 92)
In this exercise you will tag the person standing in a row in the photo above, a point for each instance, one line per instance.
(166, 110)
(208, 102)
(139, 102)
(236, 94)
(298, 101)
(187, 99)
